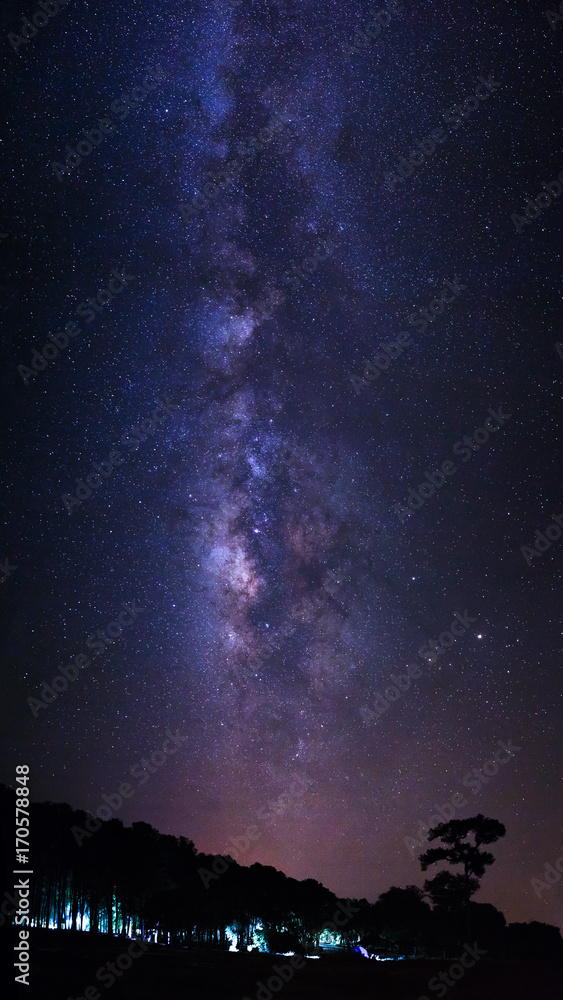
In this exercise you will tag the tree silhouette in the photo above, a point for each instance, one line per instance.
(104, 878)
(450, 890)
(402, 917)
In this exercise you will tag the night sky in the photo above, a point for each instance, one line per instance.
(257, 521)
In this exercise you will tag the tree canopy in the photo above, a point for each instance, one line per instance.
(449, 890)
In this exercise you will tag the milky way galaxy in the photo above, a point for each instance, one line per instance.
(246, 192)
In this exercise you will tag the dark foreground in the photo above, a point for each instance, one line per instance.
(64, 966)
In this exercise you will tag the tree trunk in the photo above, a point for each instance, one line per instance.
(467, 910)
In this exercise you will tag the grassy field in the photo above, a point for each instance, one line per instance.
(64, 969)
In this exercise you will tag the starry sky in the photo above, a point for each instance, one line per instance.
(255, 521)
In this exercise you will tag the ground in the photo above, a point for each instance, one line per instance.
(64, 966)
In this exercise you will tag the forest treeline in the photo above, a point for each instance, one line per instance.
(136, 881)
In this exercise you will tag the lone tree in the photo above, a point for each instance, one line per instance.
(450, 890)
